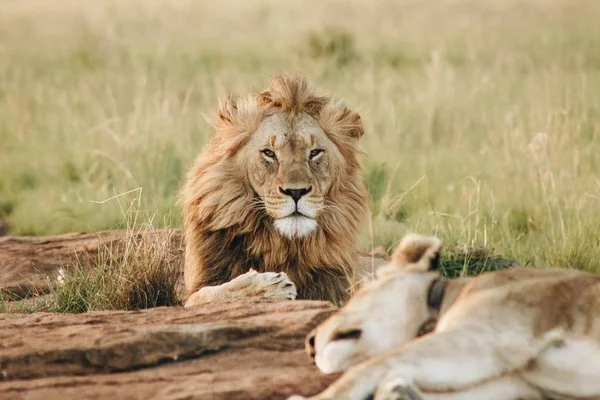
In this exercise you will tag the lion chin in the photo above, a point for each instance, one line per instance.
(295, 226)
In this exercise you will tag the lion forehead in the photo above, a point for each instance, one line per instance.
(276, 126)
(298, 133)
(307, 128)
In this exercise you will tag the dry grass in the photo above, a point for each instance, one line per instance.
(482, 118)
(144, 273)
(140, 270)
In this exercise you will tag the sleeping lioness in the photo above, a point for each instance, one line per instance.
(513, 334)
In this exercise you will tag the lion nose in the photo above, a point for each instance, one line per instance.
(310, 344)
(295, 194)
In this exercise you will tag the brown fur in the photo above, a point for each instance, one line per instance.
(226, 236)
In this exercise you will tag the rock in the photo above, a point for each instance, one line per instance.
(242, 350)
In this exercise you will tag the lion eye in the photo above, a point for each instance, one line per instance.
(268, 153)
(315, 153)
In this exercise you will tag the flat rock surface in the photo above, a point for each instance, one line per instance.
(241, 350)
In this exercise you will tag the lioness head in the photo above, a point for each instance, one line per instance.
(383, 314)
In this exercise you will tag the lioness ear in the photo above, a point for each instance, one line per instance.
(417, 253)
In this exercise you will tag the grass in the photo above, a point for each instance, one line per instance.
(142, 274)
(482, 118)
(138, 271)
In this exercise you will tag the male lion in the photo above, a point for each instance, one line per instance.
(277, 193)
(514, 334)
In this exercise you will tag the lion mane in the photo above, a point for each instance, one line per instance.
(227, 234)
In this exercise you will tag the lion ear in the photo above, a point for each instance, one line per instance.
(341, 122)
(265, 99)
(355, 125)
(237, 118)
(417, 253)
(228, 110)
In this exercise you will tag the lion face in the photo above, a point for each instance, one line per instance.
(383, 314)
(292, 166)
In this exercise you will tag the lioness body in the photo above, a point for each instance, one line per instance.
(277, 190)
(513, 334)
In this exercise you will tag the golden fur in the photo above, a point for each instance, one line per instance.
(227, 229)
(522, 333)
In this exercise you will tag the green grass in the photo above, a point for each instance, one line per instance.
(105, 98)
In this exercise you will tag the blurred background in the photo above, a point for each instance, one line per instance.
(482, 117)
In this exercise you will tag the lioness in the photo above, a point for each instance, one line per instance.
(275, 200)
(513, 334)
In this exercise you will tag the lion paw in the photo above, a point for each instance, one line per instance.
(267, 285)
(252, 284)
(397, 389)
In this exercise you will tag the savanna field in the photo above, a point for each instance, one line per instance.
(482, 119)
